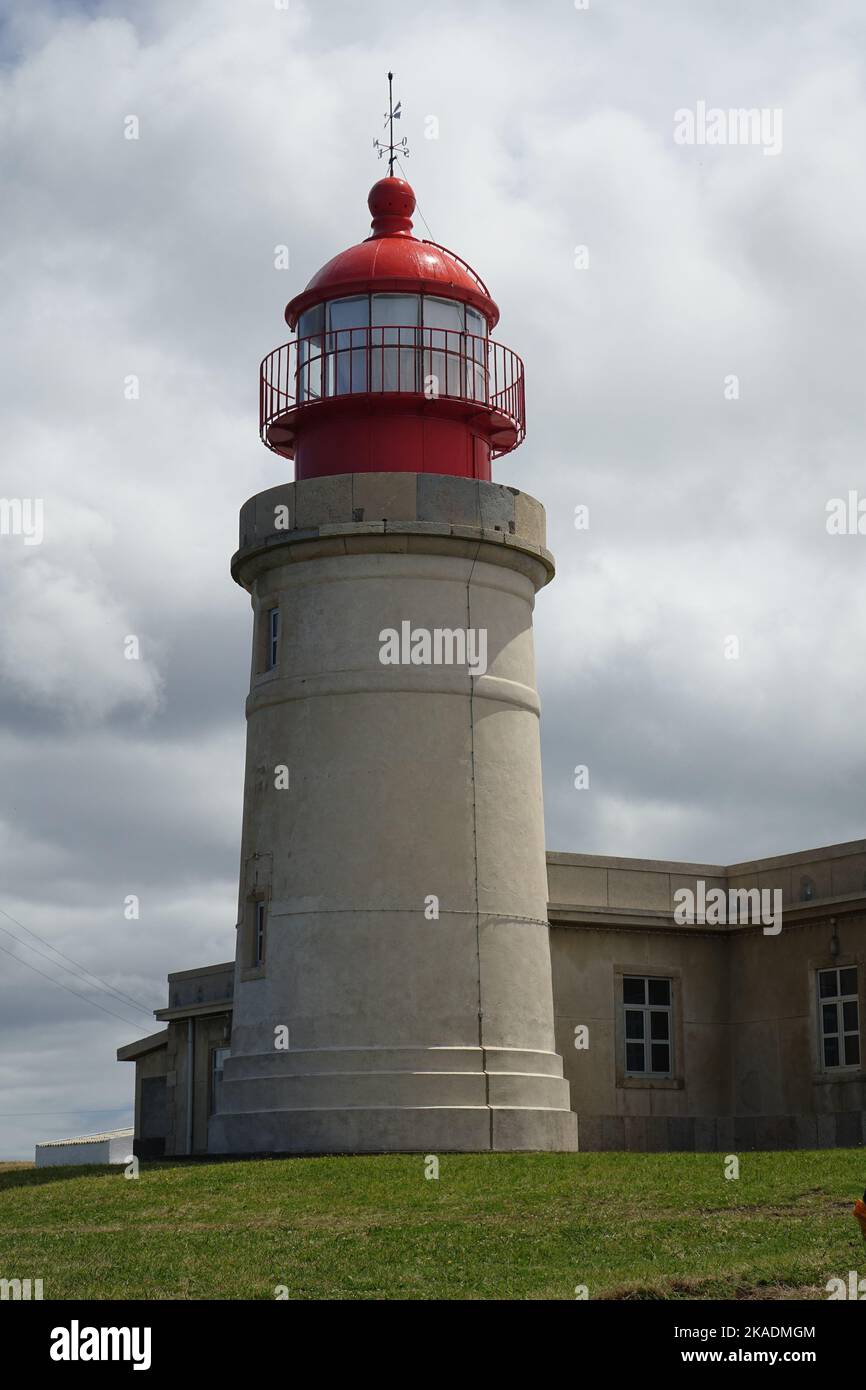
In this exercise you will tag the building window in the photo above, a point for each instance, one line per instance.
(273, 637)
(218, 1058)
(839, 1017)
(807, 890)
(648, 1033)
(259, 924)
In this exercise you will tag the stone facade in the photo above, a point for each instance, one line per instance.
(748, 1071)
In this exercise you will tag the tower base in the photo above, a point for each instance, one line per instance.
(437, 1129)
(386, 1100)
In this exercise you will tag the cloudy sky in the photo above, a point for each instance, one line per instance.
(707, 498)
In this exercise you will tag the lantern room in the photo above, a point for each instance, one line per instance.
(392, 367)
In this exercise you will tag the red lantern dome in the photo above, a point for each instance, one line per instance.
(392, 368)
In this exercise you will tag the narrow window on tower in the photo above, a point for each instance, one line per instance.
(259, 924)
(648, 1040)
(273, 637)
(839, 1018)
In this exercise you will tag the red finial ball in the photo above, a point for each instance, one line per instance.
(391, 203)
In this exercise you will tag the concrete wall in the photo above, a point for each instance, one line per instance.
(747, 1062)
(628, 1113)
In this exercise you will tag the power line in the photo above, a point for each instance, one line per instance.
(28, 947)
(417, 204)
(60, 985)
(104, 983)
(20, 1114)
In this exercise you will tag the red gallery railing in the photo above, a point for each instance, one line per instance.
(429, 362)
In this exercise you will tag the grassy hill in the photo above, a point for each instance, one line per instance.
(492, 1226)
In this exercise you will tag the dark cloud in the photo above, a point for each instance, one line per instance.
(155, 258)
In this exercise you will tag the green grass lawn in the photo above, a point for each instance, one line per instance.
(492, 1226)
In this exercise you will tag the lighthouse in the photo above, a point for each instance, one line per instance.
(392, 986)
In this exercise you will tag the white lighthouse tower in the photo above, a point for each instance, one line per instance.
(392, 981)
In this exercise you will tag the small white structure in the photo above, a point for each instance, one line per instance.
(114, 1146)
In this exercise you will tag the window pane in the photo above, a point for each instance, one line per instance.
(394, 353)
(273, 636)
(831, 1052)
(633, 990)
(476, 323)
(659, 991)
(829, 1022)
(852, 1050)
(848, 983)
(347, 362)
(476, 355)
(634, 1057)
(850, 1021)
(661, 1055)
(310, 369)
(310, 326)
(313, 321)
(396, 308)
(659, 1027)
(633, 1023)
(393, 367)
(443, 363)
(827, 983)
(443, 313)
(349, 313)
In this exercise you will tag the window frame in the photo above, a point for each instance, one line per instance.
(836, 1001)
(272, 650)
(646, 1010)
(675, 1080)
(260, 931)
(341, 360)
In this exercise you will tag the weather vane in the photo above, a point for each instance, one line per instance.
(392, 114)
